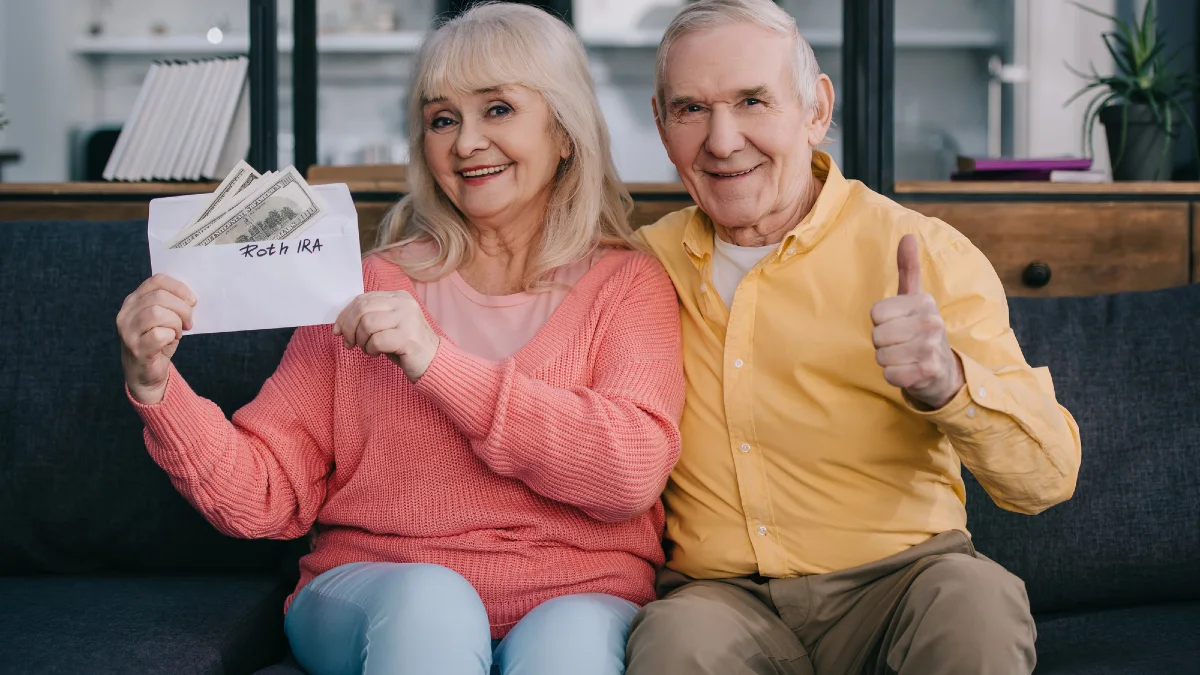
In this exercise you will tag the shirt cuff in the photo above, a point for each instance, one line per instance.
(977, 405)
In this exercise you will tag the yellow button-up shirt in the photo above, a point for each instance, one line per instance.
(798, 457)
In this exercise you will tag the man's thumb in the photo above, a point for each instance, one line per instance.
(908, 262)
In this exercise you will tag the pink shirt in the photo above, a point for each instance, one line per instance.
(495, 327)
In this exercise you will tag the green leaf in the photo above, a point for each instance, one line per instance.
(1091, 115)
(1097, 12)
(1123, 62)
(1149, 20)
(1081, 92)
(1158, 49)
(1156, 110)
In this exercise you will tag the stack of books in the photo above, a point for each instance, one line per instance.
(190, 121)
(1052, 169)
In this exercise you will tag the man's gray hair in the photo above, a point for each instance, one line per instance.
(705, 14)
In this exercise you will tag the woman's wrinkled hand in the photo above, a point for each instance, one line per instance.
(389, 323)
(151, 323)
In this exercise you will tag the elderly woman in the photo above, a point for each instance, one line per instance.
(479, 443)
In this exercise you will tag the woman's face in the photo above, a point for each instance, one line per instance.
(494, 152)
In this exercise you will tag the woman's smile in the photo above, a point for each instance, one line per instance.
(478, 175)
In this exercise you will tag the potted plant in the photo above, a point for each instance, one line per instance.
(1142, 104)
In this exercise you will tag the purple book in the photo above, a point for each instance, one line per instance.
(969, 164)
(1001, 175)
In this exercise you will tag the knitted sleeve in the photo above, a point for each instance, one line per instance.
(263, 474)
(606, 448)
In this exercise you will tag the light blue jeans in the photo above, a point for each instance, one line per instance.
(418, 619)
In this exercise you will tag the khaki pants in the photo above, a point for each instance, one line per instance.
(935, 609)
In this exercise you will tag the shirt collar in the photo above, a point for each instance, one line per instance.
(698, 234)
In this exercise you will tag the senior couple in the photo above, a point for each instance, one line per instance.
(482, 446)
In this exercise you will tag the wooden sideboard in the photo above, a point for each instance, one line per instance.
(1048, 239)
(1043, 239)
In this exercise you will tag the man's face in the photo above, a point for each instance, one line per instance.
(734, 128)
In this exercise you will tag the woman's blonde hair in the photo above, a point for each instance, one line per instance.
(494, 45)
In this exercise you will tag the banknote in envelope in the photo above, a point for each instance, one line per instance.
(261, 251)
(250, 207)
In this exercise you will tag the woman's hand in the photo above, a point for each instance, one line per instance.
(389, 323)
(151, 323)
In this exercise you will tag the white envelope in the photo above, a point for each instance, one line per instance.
(240, 287)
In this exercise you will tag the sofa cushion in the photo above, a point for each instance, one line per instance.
(286, 667)
(1154, 640)
(78, 491)
(1128, 368)
(175, 626)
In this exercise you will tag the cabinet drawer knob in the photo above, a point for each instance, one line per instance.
(1036, 275)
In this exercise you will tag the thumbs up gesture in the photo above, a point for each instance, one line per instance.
(910, 337)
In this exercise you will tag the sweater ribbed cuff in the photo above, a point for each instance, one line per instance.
(176, 425)
(467, 389)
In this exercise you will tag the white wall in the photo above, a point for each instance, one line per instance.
(46, 91)
(1060, 33)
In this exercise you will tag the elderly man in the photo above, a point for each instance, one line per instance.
(843, 356)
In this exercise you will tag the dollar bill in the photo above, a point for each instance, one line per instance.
(226, 193)
(278, 206)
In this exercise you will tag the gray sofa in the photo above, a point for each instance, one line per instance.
(104, 568)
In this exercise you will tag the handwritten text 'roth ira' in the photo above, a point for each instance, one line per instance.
(302, 246)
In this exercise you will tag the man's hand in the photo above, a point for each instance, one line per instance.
(910, 337)
(392, 324)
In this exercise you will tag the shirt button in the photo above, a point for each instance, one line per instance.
(982, 392)
(791, 250)
(971, 411)
(762, 530)
(745, 447)
(703, 288)
(737, 363)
